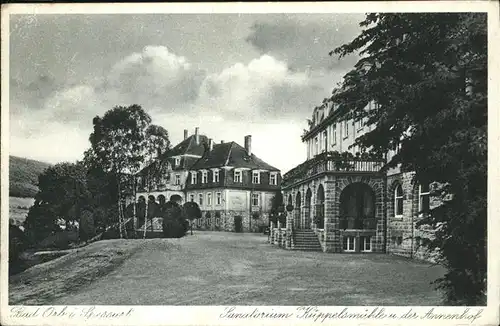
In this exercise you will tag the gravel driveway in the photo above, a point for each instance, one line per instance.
(218, 268)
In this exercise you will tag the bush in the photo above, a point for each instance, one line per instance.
(17, 244)
(59, 240)
(174, 224)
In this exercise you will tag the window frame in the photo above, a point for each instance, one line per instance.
(218, 198)
(200, 199)
(346, 249)
(273, 179)
(346, 129)
(191, 197)
(177, 179)
(325, 142)
(334, 134)
(177, 161)
(240, 176)
(204, 177)
(209, 199)
(364, 243)
(255, 199)
(215, 176)
(397, 198)
(420, 196)
(255, 180)
(360, 125)
(194, 177)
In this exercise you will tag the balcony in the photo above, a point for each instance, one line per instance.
(332, 162)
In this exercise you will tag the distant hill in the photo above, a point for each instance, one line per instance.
(23, 176)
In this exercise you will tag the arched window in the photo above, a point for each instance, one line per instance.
(398, 202)
(423, 198)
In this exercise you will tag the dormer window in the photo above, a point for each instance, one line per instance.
(194, 177)
(177, 161)
(216, 176)
(237, 176)
(273, 179)
(255, 177)
(204, 177)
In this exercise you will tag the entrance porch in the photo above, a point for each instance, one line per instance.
(345, 209)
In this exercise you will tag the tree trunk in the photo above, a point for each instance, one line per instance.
(134, 213)
(120, 220)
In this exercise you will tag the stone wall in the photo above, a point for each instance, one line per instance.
(400, 240)
(331, 236)
(403, 234)
(378, 185)
(280, 237)
(223, 220)
(393, 234)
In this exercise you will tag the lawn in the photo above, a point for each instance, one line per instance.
(219, 268)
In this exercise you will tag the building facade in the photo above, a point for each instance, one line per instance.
(232, 186)
(340, 194)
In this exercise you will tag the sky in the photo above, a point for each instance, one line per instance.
(231, 75)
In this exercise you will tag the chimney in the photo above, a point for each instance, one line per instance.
(222, 142)
(210, 144)
(196, 135)
(185, 133)
(248, 144)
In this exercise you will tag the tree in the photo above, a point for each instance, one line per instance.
(87, 226)
(191, 211)
(119, 146)
(156, 171)
(173, 221)
(277, 207)
(426, 72)
(157, 140)
(102, 186)
(62, 194)
(17, 244)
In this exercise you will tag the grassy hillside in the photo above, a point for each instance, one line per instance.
(23, 176)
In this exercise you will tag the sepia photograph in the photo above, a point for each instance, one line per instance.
(301, 159)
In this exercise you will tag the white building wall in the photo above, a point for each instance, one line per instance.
(232, 199)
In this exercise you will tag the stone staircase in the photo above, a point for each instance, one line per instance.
(305, 239)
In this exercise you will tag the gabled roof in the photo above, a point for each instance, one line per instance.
(189, 147)
(231, 154)
(186, 147)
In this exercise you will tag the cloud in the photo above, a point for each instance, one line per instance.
(32, 93)
(53, 143)
(305, 43)
(155, 77)
(237, 99)
(262, 89)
